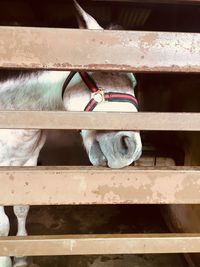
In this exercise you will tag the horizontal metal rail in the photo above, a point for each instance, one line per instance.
(100, 120)
(71, 49)
(99, 244)
(91, 185)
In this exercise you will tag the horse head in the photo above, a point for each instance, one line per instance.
(104, 91)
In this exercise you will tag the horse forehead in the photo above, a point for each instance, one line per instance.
(118, 82)
(113, 78)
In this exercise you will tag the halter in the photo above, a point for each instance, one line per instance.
(97, 93)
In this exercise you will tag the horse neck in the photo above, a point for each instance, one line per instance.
(36, 91)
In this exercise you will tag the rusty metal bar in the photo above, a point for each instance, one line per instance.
(90, 185)
(64, 49)
(93, 120)
(99, 244)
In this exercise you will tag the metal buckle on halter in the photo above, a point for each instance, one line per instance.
(98, 96)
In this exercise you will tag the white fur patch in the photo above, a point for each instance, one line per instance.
(115, 107)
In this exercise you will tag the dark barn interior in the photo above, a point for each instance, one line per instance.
(164, 92)
(149, 15)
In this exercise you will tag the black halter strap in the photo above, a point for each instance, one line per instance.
(98, 94)
(67, 81)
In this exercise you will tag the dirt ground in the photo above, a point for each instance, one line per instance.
(99, 219)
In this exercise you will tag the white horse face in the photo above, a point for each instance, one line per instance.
(115, 149)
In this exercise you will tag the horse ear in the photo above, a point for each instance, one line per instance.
(132, 79)
(85, 21)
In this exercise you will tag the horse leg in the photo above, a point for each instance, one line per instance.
(21, 212)
(4, 230)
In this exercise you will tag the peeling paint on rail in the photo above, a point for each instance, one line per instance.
(43, 48)
(36, 186)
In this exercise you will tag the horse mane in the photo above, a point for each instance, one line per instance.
(6, 74)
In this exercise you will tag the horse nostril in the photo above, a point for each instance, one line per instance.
(125, 142)
(125, 145)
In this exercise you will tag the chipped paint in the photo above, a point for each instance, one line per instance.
(43, 48)
(90, 185)
(145, 40)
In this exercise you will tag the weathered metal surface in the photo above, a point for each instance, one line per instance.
(90, 185)
(99, 244)
(44, 48)
(100, 120)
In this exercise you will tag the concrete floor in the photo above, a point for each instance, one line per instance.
(99, 219)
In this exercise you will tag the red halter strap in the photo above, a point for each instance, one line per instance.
(98, 94)
(89, 81)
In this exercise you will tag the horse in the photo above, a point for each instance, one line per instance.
(70, 91)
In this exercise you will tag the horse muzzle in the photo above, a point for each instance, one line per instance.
(115, 149)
